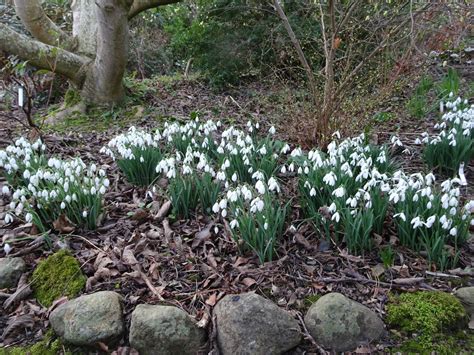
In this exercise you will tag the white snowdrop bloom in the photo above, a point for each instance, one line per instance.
(429, 205)
(216, 230)
(265, 226)
(300, 170)
(234, 224)
(339, 192)
(332, 208)
(453, 231)
(7, 248)
(84, 214)
(401, 216)
(286, 148)
(26, 174)
(68, 198)
(215, 208)
(102, 190)
(260, 187)
(312, 192)
(330, 178)
(430, 221)
(28, 217)
(5, 190)
(272, 130)
(452, 211)
(418, 141)
(63, 205)
(291, 167)
(223, 204)
(283, 169)
(234, 177)
(416, 222)
(8, 218)
(273, 185)
(336, 217)
(224, 213)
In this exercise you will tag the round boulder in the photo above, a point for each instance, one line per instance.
(250, 324)
(340, 324)
(89, 319)
(10, 271)
(466, 296)
(164, 330)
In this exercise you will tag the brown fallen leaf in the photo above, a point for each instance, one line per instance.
(163, 211)
(140, 215)
(17, 324)
(302, 241)
(22, 292)
(212, 300)
(249, 282)
(63, 224)
(202, 235)
(377, 270)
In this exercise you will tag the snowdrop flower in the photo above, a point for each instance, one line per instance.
(273, 185)
(330, 178)
(84, 214)
(416, 222)
(336, 217)
(215, 208)
(8, 218)
(339, 192)
(430, 221)
(234, 224)
(283, 169)
(224, 213)
(5, 190)
(272, 130)
(7, 248)
(234, 177)
(265, 226)
(260, 187)
(453, 231)
(312, 192)
(401, 216)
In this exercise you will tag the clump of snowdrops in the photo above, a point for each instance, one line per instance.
(42, 190)
(257, 217)
(453, 146)
(137, 153)
(344, 192)
(350, 191)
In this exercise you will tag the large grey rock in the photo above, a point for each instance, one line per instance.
(89, 319)
(164, 330)
(251, 324)
(10, 271)
(466, 296)
(340, 324)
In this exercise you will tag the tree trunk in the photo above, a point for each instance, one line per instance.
(103, 84)
(93, 58)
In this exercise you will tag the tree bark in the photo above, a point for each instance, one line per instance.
(44, 56)
(40, 26)
(84, 26)
(103, 83)
(142, 5)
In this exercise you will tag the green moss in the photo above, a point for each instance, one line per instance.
(71, 97)
(309, 300)
(47, 346)
(432, 318)
(58, 275)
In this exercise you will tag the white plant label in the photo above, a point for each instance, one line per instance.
(20, 97)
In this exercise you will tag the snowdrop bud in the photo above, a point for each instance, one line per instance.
(234, 223)
(7, 248)
(63, 205)
(272, 130)
(224, 213)
(84, 214)
(215, 208)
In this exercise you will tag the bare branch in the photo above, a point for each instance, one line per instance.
(142, 5)
(299, 50)
(43, 55)
(40, 26)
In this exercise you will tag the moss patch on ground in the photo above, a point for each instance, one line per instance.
(58, 275)
(47, 346)
(434, 320)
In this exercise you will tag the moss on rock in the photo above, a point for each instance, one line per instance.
(434, 319)
(58, 275)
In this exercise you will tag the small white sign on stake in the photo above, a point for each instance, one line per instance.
(20, 97)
